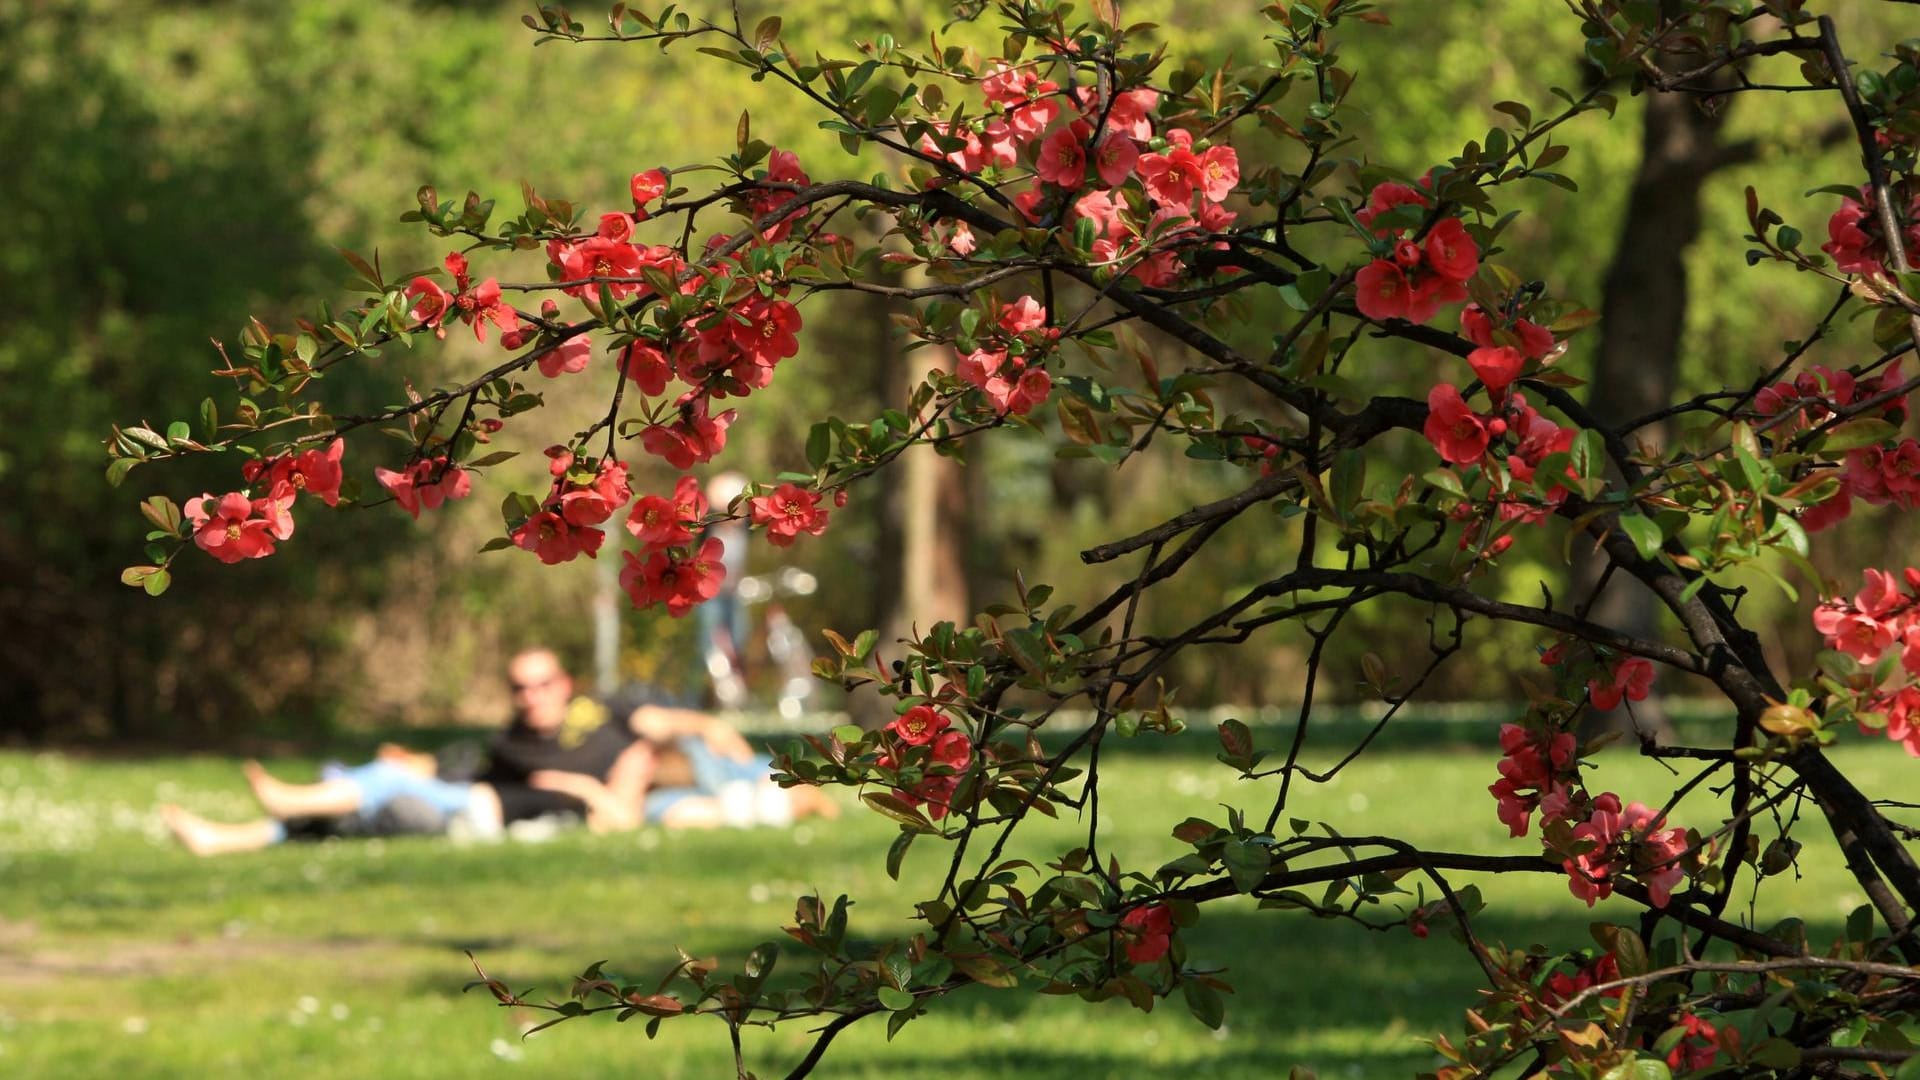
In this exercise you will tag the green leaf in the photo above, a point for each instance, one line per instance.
(761, 960)
(984, 970)
(819, 444)
(1204, 1002)
(1247, 863)
(118, 468)
(894, 807)
(1235, 738)
(1781, 1054)
(1640, 1069)
(1855, 434)
(1445, 480)
(1643, 532)
(894, 1000)
(897, 852)
(157, 582)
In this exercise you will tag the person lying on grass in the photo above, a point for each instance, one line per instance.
(617, 764)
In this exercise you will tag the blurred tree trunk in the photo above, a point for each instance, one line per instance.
(1643, 312)
(923, 535)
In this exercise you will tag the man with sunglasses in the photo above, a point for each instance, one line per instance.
(560, 754)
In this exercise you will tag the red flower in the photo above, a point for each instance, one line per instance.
(660, 522)
(1381, 292)
(1023, 315)
(1171, 177)
(1631, 678)
(426, 483)
(550, 536)
(316, 472)
(693, 438)
(482, 305)
(788, 512)
(918, 725)
(647, 366)
(1220, 171)
(767, 335)
(952, 749)
(430, 304)
(1534, 340)
(680, 584)
(1007, 387)
(227, 528)
(615, 227)
(1696, 1049)
(1385, 197)
(1452, 428)
(1063, 157)
(646, 187)
(1129, 114)
(597, 257)
(1115, 158)
(1854, 251)
(1451, 253)
(571, 355)
(1497, 367)
(1152, 927)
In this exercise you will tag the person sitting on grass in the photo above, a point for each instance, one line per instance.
(560, 754)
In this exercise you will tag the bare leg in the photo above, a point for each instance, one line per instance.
(631, 776)
(203, 837)
(329, 798)
(809, 801)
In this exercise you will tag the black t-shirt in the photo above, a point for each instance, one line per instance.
(591, 738)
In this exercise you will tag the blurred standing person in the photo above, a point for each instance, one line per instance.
(723, 620)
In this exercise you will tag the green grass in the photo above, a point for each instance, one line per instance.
(120, 955)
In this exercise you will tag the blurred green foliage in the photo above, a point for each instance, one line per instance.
(173, 168)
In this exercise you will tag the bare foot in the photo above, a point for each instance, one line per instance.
(204, 838)
(273, 794)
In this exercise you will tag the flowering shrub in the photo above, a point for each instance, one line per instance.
(1099, 253)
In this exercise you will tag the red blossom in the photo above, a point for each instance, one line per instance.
(788, 511)
(680, 584)
(918, 725)
(1450, 252)
(1497, 368)
(234, 527)
(1631, 678)
(646, 187)
(316, 472)
(1381, 291)
(1455, 431)
(1172, 177)
(1151, 927)
(1063, 157)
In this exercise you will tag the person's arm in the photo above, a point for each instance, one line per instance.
(605, 810)
(659, 724)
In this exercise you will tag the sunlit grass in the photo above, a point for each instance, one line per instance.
(120, 955)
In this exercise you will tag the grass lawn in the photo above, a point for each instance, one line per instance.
(122, 956)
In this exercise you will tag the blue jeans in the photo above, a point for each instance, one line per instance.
(711, 772)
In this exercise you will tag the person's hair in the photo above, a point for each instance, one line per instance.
(540, 650)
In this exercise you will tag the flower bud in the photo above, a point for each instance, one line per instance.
(560, 460)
